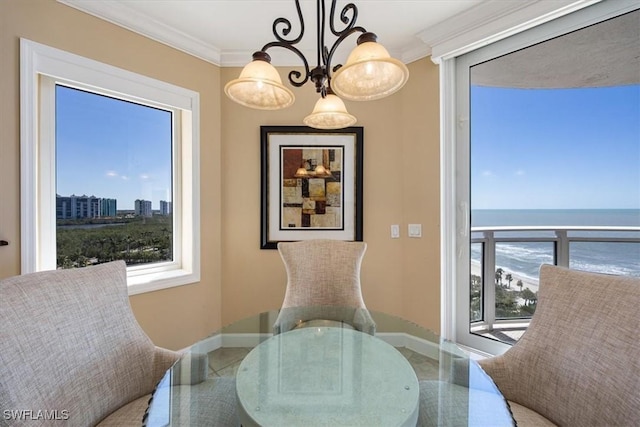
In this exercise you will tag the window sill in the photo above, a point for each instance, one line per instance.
(150, 282)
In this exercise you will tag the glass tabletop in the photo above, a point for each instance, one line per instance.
(326, 366)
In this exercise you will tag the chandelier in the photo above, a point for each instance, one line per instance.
(369, 73)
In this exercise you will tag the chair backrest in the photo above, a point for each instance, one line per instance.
(579, 361)
(323, 272)
(70, 342)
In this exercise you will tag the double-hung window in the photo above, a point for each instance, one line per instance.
(109, 170)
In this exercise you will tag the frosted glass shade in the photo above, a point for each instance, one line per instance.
(369, 73)
(329, 113)
(259, 86)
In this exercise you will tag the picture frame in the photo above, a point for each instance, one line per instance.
(311, 184)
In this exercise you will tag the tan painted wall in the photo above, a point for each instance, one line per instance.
(401, 179)
(401, 186)
(175, 317)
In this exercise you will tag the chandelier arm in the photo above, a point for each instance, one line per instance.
(294, 76)
(287, 27)
(344, 18)
(339, 40)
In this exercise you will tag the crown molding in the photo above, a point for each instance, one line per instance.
(279, 57)
(414, 53)
(123, 16)
(490, 21)
(235, 58)
(484, 23)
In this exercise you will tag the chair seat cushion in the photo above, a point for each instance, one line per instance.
(129, 415)
(320, 323)
(525, 417)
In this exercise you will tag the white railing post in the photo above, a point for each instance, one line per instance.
(562, 248)
(489, 280)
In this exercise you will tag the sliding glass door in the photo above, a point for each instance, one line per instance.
(547, 162)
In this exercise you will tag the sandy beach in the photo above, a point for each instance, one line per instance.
(526, 282)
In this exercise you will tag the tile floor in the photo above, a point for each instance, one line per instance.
(225, 361)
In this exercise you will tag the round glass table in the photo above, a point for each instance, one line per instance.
(326, 366)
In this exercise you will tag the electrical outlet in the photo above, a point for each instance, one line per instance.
(415, 230)
(395, 231)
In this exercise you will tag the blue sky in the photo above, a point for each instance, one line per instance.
(530, 148)
(555, 148)
(111, 148)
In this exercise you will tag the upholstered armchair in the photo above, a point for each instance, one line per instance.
(71, 346)
(323, 285)
(578, 363)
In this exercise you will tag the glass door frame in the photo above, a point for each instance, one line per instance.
(455, 162)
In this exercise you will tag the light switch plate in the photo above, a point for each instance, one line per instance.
(395, 231)
(415, 230)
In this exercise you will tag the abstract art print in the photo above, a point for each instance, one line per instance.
(311, 184)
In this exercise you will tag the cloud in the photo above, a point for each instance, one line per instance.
(144, 176)
(487, 173)
(520, 172)
(112, 174)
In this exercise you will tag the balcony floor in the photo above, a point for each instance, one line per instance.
(506, 335)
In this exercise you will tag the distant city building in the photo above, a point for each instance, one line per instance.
(74, 207)
(109, 207)
(143, 208)
(165, 207)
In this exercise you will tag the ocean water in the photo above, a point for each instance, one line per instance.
(525, 258)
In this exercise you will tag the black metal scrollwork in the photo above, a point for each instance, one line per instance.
(344, 18)
(321, 74)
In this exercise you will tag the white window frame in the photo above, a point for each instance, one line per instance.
(454, 60)
(41, 68)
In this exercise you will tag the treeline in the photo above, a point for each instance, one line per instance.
(135, 240)
(510, 302)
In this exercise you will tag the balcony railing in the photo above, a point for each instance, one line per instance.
(505, 261)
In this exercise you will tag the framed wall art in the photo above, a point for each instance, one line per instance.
(311, 184)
